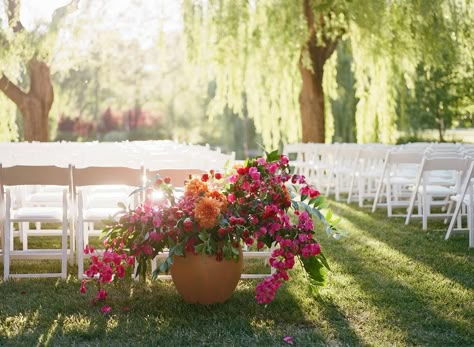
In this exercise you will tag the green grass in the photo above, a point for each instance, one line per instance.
(391, 285)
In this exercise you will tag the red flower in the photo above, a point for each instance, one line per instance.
(188, 224)
(167, 180)
(205, 177)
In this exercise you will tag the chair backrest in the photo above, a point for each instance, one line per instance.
(34, 175)
(111, 175)
(444, 163)
(23, 175)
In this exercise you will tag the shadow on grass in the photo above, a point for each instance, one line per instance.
(451, 258)
(50, 312)
(405, 307)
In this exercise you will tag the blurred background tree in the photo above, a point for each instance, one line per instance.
(236, 74)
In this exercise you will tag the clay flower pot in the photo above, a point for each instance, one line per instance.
(201, 279)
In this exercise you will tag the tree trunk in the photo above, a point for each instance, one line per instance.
(34, 105)
(312, 106)
(312, 93)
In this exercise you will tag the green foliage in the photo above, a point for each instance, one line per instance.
(8, 126)
(388, 41)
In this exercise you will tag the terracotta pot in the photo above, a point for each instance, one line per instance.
(202, 279)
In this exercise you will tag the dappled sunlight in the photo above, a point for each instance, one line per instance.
(377, 276)
(17, 324)
(45, 339)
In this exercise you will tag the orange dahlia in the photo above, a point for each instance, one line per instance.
(207, 212)
(214, 194)
(195, 187)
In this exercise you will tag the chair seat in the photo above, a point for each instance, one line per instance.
(466, 201)
(37, 214)
(437, 190)
(46, 197)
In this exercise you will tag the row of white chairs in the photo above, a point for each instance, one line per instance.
(420, 176)
(85, 197)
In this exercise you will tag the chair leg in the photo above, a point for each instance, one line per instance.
(389, 199)
(6, 251)
(361, 183)
(453, 220)
(64, 250)
(426, 211)
(471, 226)
(24, 228)
(80, 249)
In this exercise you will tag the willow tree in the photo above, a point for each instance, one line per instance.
(279, 54)
(24, 58)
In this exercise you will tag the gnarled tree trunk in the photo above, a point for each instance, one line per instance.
(312, 93)
(34, 105)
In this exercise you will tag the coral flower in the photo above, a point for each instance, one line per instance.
(195, 187)
(207, 212)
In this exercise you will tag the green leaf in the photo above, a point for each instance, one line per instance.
(235, 251)
(273, 156)
(227, 251)
(165, 266)
(177, 249)
(328, 215)
(316, 271)
(323, 260)
(199, 248)
(203, 235)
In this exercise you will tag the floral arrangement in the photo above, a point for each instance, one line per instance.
(259, 203)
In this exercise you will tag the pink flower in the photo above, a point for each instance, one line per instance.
(155, 236)
(156, 221)
(83, 287)
(101, 295)
(233, 178)
(253, 172)
(288, 340)
(284, 159)
(231, 198)
(120, 271)
(106, 309)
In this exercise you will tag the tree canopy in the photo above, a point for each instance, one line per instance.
(254, 48)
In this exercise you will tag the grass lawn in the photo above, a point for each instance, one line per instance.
(391, 284)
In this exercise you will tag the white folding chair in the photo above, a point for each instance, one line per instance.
(366, 173)
(465, 198)
(399, 172)
(437, 179)
(100, 205)
(27, 176)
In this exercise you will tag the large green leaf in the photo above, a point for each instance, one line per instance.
(316, 270)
